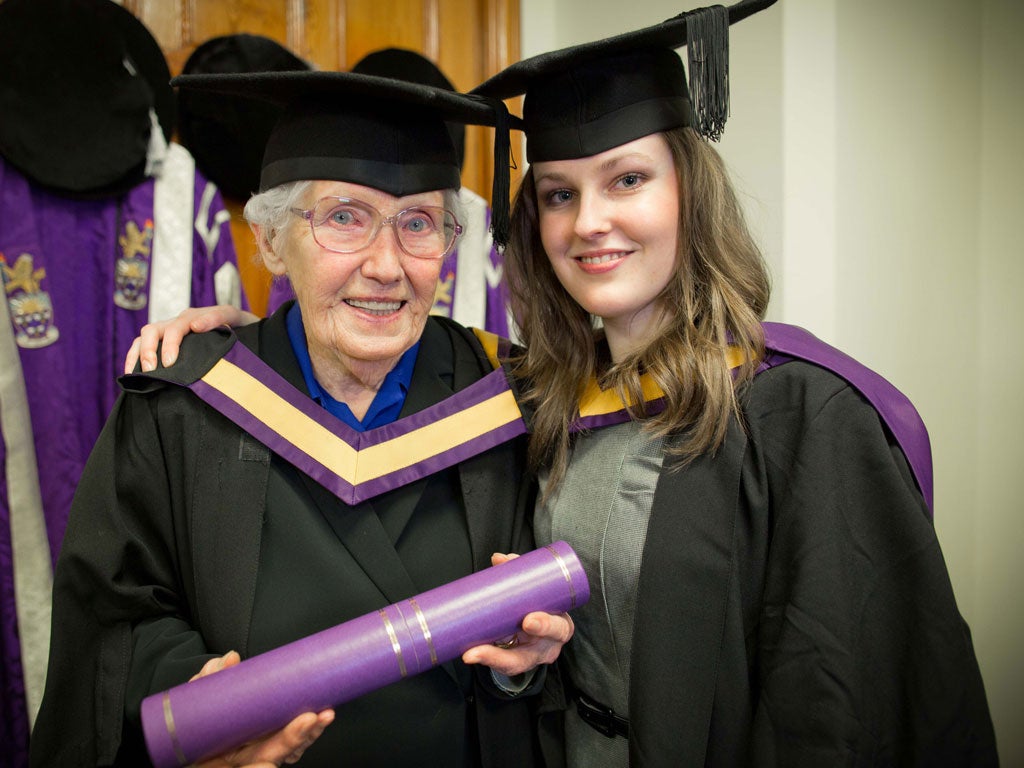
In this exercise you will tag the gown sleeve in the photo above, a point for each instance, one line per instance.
(862, 656)
(119, 599)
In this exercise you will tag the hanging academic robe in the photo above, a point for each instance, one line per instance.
(793, 607)
(198, 536)
(81, 277)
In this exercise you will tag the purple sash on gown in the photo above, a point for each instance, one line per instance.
(896, 410)
(790, 342)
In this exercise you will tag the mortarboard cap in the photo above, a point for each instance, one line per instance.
(382, 133)
(413, 67)
(226, 135)
(585, 99)
(79, 83)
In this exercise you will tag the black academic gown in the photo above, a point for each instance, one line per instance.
(165, 541)
(794, 607)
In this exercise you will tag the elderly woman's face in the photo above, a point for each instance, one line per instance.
(368, 306)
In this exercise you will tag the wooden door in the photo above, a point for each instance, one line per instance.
(468, 39)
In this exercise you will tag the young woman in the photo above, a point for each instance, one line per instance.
(767, 586)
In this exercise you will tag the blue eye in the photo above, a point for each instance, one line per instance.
(341, 217)
(630, 180)
(418, 222)
(558, 197)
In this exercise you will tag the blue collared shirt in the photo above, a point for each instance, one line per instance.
(389, 399)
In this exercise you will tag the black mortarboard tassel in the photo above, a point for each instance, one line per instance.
(500, 201)
(707, 50)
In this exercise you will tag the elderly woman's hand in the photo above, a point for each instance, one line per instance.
(284, 746)
(191, 320)
(539, 640)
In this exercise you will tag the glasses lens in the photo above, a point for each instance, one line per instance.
(344, 225)
(426, 232)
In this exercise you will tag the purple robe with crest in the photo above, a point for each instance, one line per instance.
(80, 277)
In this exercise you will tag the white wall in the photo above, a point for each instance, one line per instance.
(998, 504)
(878, 149)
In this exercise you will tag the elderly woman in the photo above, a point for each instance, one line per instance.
(205, 529)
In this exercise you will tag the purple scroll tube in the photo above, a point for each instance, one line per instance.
(197, 720)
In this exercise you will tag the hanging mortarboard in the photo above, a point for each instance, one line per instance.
(413, 67)
(87, 108)
(403, 64)
(226, 135)
(375, 131)
(586, 99)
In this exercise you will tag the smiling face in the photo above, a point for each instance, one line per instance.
(361, 310)
(609, 224)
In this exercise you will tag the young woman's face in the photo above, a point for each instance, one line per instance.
(368, 306)
(610, 227)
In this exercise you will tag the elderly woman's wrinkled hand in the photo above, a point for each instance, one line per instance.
(191, 320)
(538, 641)
(284, 746)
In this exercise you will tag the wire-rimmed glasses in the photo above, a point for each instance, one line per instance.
(347, 225)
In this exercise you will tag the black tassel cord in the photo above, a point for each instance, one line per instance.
(500, 203)
(707, 47)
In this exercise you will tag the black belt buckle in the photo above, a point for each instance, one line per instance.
(601, 718)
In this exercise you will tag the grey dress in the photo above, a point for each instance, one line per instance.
(602, 510)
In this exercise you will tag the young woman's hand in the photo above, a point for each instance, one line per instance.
(191, 320)
(539, 640)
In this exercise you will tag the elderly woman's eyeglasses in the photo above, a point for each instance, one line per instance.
(344, 225)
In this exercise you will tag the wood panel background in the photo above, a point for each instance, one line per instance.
(468, 39)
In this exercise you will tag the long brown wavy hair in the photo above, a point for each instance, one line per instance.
(718, 297)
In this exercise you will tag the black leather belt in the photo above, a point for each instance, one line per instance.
(601, 718)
